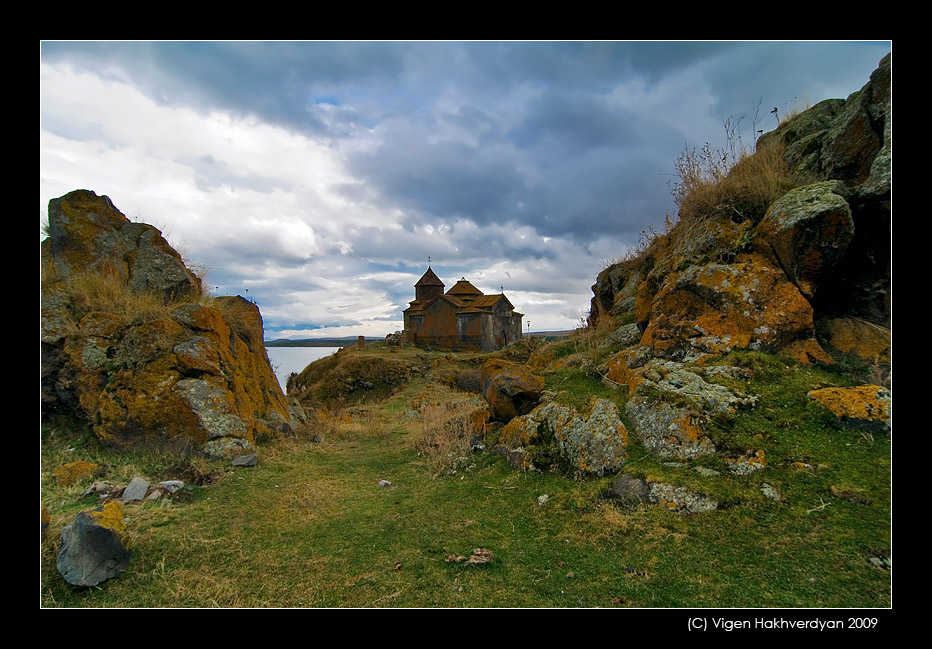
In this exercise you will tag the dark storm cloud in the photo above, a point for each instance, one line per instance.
(593, 65)
(279, 82)
(574, 123)
(439, 180)
(787, 75)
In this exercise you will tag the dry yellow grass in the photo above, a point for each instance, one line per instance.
(712, 183)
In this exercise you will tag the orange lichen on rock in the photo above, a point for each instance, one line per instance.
(866, 340)
(110, 516)
(147, 365)
(747, 464)
(70, 473)
(865, 404)
(715, 308)
(620, 375)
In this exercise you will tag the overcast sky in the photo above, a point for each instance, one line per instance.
(319, 176)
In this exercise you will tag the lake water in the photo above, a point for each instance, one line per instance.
(286, 360)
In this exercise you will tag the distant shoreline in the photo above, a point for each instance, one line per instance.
(351, 341)
(318, 342)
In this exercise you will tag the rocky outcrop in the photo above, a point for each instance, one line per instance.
(806, 232)
(744, 276)
(131, 348)
(88, 234)
(712, 309)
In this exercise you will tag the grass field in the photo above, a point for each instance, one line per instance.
(311, 527)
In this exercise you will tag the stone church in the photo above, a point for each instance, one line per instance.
(460, 319)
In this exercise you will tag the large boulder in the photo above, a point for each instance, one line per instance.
(511, 389)
(153, 365)
(866, 340)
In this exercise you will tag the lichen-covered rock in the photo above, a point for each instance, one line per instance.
(807, 232)
(867, 406)
(802, 136)
(622, 369)
(614, 290)
(749, 463)
(857, 134)
(866, 340)
(715, 308)
(70, 473)
(708, 398)
(153, 367)
(510, 389)
(666, 430)
(93, 547)
(594, 444)
(680, 499)
(623, 336)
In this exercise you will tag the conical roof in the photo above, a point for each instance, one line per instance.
(429, 279)
(463, 287)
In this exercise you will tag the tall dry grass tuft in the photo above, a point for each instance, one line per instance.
(107, 289)
(739, 185)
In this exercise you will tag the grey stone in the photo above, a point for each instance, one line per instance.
(226, 447)
(91, 552)
(135, 490)
(245, 460)
(630, 490)
(624, 336)
(99, 488)
(770, 493)
(710, 398)
(171, 486)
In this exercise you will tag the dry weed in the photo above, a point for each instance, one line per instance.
(446, 431)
